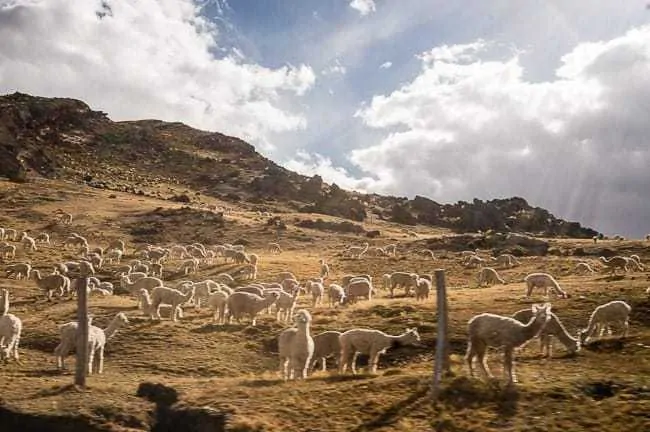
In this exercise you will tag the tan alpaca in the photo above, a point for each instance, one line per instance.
(490, 330)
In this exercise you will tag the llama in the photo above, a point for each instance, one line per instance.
(296, 347)
(488, 329)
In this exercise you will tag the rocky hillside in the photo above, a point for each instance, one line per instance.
(66, 139)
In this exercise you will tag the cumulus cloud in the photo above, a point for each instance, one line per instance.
(386, 65)
(310, 164)
(150, 58)
(363, 6)
(467, 127)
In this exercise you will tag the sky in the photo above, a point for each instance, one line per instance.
(546, 100)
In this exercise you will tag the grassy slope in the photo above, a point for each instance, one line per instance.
(234, 367)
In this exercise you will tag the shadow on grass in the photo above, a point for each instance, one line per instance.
(395, 411)
(464, 392)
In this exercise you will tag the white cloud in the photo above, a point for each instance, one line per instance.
(465, 127)
(363, 6)
(145, 59)
(336, 69)
(386, 65)
(310, 164)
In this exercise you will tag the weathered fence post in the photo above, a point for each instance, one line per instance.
(442, 343)
(82, 339)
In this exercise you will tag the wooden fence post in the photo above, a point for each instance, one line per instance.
(442, 343)
(82, 338)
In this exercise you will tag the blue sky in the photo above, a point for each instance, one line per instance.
(452, 100)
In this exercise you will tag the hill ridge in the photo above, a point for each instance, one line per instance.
(64, 138)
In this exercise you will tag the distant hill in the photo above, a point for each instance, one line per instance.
(64, 138)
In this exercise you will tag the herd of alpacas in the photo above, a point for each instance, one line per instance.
(242, 295)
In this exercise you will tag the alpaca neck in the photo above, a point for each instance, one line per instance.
(530, 330)
(562, 334)
(303, 330)
(5, 302)
(112, 328)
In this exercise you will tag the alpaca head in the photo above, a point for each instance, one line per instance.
(121, 318)
(542, 312)
(410, 337)
(302, 316)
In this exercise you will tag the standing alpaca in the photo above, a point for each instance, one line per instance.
(324, 269)
(357, 251)
(493, 330)
(96, 341)
(10, 329)
(370, 342)
(296, 347)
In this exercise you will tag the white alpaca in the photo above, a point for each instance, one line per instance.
(317, 291)
(274, 248)
(324, 269)
(554, 327)
(488, 275)
(616, 312)
(170, 296)
(217, 302)
(373, 343)
(28, 242)
(490, 330)
(51, 283)
(356, 251)
(614, 263)
(243, 303)
(583, 267)
(358, 288)
(543, 280)
(19, 270)
(296, 347)
(96, 341)
(406, 280)
(422, 289)
(326, 344)
(336, 295)
(10, 330)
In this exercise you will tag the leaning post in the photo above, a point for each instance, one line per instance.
(82, 339)
(441, 365)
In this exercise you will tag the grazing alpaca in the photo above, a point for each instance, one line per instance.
(296, 347)
(614, 263)
(543, 280)
(493, 330)
(370, 342)
(554, 327)
(601, 319)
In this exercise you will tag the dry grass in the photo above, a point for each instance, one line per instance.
(234, 367)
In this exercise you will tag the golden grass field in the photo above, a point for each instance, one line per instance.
(235, 367)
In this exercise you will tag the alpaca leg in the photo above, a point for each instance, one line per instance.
(626, 328)
(91, 358)
(482, 361)
(507, 365)
(100, 361)
(180, 311)
(284, 365)
(354, 362)
(323, 361)
(469, 357)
